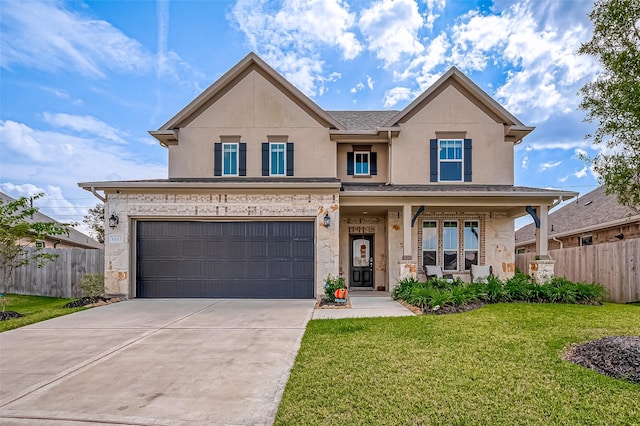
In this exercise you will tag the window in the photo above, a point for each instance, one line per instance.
(361, 163)
(586, 240)
(230, 159)
(277, 156)
(450, 245)
(450, 159)
(521, 250)
(429, 243)
(471, 245)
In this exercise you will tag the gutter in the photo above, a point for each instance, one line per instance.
(98, 196)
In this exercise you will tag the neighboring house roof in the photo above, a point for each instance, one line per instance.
(363, 120)
(74, 237)
(515, 129)
(167, 135)
(594, 210)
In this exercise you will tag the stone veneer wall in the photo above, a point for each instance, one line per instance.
(119, 272)
(395, 244)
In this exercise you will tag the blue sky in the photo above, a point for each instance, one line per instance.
(81, 83)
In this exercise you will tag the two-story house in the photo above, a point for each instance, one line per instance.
(267, 193)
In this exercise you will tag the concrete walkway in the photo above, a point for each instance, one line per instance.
(366, 304)
(153, 362)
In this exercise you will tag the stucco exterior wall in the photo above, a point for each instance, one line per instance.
(395, 245)
(253, 109)
(451, 111)
(500, 245)
(382, 151)
(120, 242)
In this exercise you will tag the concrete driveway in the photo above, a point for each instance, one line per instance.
(153, 362)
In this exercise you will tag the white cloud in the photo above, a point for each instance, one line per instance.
(358, 87)
(549, 165)
(85, 124)
(421, 68)
(566, 145)
(370, 82)
(19, 138)
(431, 15)
(289, 37)
(47, 36)
(391, 29)
(525, 162)
(395, 95)
(582, 173)
(64, 95)
(546, 71)
(580, 153)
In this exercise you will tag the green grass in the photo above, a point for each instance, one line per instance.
(498, 365)
(34, 309)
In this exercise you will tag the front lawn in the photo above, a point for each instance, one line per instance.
(496, 365)
(34, 309)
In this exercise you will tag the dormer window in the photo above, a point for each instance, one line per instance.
(361, 166)
(362, 161)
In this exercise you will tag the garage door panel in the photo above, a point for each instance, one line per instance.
(225, 259)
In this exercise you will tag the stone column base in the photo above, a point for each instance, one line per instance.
(542, 270)
(406, 270)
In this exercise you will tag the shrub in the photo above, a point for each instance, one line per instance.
(331, 284)
(404, 288)
(92, 285)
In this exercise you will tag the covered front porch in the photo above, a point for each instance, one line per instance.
(388, 232)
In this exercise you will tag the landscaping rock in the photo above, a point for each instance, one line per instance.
(614, 356)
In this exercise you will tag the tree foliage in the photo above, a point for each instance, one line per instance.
(612, 100)
(95, 220)
(18, 234)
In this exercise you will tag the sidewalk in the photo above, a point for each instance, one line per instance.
(366, 304)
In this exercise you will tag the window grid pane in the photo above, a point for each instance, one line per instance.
(450, 160)
(230, 159)
(450, 245)
(277, 158)
(471, 246)
(429, 243)
(362, 163)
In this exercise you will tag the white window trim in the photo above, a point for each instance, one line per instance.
(437, 238)
(355, 162)
(457, 249)
(284, 158)
(464, 248)
(237, 149)
(461, 160)
(582, 237)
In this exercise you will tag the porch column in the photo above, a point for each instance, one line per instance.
(406, 227)
(407, 268)
(542, 234)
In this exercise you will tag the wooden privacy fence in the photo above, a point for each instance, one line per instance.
(60, 277)
(615, 265)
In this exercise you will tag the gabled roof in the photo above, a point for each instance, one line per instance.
(74, 237)
(516, 130)
(594, 210)
(228, 80)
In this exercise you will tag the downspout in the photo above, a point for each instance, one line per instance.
(389, 157)
(558, 241)
(98, 196)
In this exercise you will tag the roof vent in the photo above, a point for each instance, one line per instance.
(588, 202)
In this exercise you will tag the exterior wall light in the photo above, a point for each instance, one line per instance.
(113, 220)
(327, 220)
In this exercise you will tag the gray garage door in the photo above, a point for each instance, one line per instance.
(225, 259)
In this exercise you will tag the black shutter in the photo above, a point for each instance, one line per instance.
(467, 160)
(433, 159)
(373, 163)
(217, 159)
(290, 159)
(350, 163)
(242, 167)
(265, 159)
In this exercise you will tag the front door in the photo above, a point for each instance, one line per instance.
(361, 261)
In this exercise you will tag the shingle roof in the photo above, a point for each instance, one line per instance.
(74, 237)
(363, 120)
(592, 209)
(357, 187)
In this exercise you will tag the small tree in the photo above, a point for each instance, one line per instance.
(16, 232)
(612, 100)
(95, 220)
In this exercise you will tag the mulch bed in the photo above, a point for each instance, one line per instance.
(325, 303)
(614, 356)
(92, 301)
(7, 315)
